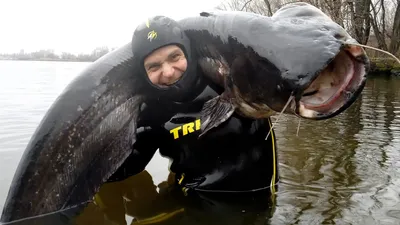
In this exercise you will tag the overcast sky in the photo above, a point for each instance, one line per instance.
(81, 25)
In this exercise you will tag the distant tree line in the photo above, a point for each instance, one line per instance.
(49, 55)
(372, 22)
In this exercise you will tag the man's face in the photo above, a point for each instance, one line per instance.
(166, 65)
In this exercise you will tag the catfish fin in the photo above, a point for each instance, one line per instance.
(215, 112)
(215, 69)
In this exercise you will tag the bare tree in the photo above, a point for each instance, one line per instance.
(361, 21)
(378, 14)
(395, 37)
(385, 20)
(262, 7)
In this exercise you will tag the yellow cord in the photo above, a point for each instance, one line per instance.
(158, 218)
(182, 176)
(272, 187)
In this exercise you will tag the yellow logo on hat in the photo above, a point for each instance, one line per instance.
(147, 23)
(151, 35)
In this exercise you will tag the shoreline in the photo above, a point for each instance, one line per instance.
(386, 66)
(48, 60)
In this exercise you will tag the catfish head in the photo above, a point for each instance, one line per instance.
(299, 62)
(328, 87)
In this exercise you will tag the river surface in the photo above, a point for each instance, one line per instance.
(345, 170)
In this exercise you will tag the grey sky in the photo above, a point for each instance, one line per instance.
(80, 26)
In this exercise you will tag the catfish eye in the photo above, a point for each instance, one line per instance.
(339, 36)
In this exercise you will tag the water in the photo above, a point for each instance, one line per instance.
(345, 170)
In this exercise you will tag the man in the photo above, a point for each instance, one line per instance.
(234, 157)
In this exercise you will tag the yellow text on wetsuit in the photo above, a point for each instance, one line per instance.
(186, 128)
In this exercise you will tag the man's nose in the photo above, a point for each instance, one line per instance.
(168, 70)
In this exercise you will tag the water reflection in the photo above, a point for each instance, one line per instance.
(343, 170)
(137, 200)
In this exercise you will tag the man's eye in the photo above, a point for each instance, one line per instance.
(176, 56)
(152, 67)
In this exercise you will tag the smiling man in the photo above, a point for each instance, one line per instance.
(165, 65)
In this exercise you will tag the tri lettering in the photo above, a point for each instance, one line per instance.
(186, 129)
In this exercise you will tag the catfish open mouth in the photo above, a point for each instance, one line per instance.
(336, 87)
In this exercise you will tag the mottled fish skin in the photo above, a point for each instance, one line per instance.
(82, 139)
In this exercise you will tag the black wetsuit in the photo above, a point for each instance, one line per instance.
(232, 157)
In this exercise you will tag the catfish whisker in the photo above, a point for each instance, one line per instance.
(277, 119)
(298, 128)
(377, 49)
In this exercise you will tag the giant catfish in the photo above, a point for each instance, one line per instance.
(261, 61)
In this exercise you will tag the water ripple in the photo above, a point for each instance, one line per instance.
(343, 170)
